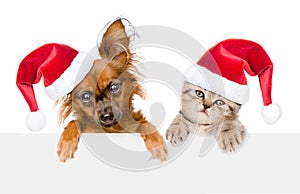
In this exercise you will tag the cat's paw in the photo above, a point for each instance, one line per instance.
(230, 140)
(177, 134)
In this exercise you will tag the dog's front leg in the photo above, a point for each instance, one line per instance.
(154, 141)
(68, 142)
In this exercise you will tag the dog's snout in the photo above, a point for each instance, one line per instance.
(107, 117)
(106, 113)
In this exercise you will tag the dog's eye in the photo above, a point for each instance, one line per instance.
(200, 94)
(115, 88)
(86, 97)
(219, 102)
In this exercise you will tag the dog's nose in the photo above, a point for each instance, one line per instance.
(107, 117)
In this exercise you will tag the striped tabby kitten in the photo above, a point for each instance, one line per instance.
(209, 114)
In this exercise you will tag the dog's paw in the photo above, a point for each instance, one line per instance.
(160, 153)
(68, 142)
(230, 140)
(157, 146)
(66, 148)
(177, 134)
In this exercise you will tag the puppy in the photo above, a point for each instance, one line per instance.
(103, 101)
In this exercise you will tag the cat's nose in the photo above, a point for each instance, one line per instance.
(205, 106)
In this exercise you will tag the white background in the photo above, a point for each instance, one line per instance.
(26, 25)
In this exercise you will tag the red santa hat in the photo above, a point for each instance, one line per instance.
(223, 68)
(61, 67)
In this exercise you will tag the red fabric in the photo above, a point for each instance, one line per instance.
(230, 58)
(49, 61)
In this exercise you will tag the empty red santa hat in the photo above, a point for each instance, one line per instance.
(61, 67)
(223, 68)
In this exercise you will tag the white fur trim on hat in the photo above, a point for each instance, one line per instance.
(213, 82)
(75, 73)
(271, 113)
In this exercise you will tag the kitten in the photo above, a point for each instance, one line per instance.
(209, 114)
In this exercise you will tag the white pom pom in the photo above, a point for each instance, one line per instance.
(271, 113)
(36, 121)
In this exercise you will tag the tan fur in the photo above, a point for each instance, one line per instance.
(207, 117)
(68, 142)
(116, 66)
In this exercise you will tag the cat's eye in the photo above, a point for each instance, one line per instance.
(86, 97)
(115, 88)
(219, 102)
(200, 94)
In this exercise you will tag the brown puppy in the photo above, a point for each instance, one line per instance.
(102, 102)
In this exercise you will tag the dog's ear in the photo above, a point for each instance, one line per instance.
(65, 108)
(115, 43)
